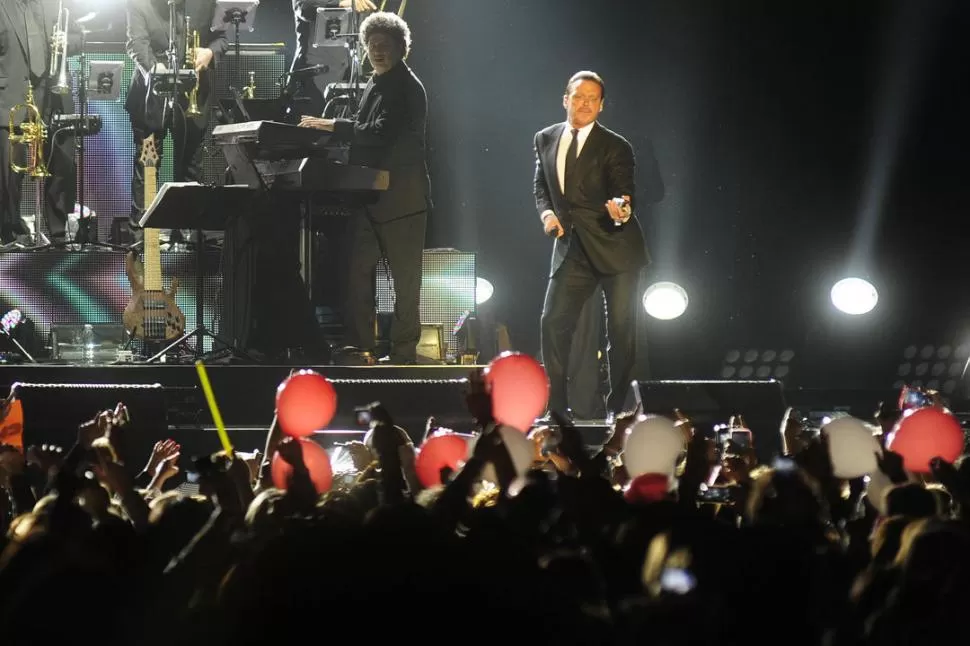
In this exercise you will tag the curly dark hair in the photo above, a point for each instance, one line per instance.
(387, 23)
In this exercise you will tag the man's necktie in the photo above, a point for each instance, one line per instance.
(571, 159)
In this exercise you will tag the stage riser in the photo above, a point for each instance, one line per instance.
(246, 395)
(71, 288)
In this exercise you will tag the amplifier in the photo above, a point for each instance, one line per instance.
(447, 291)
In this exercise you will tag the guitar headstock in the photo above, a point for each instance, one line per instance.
(149, 153)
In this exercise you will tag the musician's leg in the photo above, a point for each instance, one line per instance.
(10, 188)
(403, 243)
(359, 308)
(187, 136)
(60, 190)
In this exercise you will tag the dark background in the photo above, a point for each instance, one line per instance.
(800, 142)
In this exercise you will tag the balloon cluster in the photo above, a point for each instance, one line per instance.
(305, 402)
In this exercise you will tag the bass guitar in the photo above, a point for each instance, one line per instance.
(152, 314)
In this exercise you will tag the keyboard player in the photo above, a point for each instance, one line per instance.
(389, 132)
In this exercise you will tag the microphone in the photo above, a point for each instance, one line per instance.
(311, 71)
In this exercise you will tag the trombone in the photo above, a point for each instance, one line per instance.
(59, 50)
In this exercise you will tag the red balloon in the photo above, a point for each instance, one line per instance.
(924, 434)
(519, 387)
(317, 463)
(305, 402)
(648, 487)
(443, 449)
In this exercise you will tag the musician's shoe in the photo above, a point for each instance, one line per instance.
(352, 356)
(398, 361)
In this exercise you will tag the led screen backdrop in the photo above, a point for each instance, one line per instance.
(73, 288)
(109, 154)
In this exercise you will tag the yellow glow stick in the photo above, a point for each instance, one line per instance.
(214, 409)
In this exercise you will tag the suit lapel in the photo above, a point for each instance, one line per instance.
(19, 26)
(549, 157)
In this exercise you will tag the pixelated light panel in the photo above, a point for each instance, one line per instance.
(73, 288)
(447, 290)
(108, 155)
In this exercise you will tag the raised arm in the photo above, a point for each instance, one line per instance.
(540, 188)
(138, 45)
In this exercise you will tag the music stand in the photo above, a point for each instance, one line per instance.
(237, 13)
(337, 34)
(190, 205)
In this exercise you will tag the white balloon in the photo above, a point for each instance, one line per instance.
(852, 448)
(652, 445)
(519, 447)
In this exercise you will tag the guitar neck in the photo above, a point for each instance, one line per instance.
(153, 256)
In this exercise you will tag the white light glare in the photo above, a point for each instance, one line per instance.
(665, 300)
(483, 290)
(854, 296)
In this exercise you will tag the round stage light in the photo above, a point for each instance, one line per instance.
(854, 296)
(665, 300)
(483, 290)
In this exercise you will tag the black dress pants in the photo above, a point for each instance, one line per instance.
(401, 242)
(568, 291)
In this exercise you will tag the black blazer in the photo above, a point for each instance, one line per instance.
(14, 69)
(390, 133)
(605, 169)
(147, 41)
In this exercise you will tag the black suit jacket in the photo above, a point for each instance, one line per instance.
(147, 41)
(390, 133)
(14, 69)
(604, 169)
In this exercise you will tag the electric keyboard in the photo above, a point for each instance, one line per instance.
(278, 156)
(273, 140)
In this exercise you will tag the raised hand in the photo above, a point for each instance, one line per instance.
(162, 450)
(46, 457)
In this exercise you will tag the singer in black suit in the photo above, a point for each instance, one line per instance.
(148, 41)
(389, 133)
(26, 28)
(585, 194)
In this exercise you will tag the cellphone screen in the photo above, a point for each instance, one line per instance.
(742, 438)
(677, 580)
(714, 495)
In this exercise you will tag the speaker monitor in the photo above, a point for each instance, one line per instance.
(761, 403)
(447, 291)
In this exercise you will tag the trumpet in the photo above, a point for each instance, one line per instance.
(32, 137)
(249, 91)
(59, 51)
(191, 48)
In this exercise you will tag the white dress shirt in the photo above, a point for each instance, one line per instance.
(565, 139)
